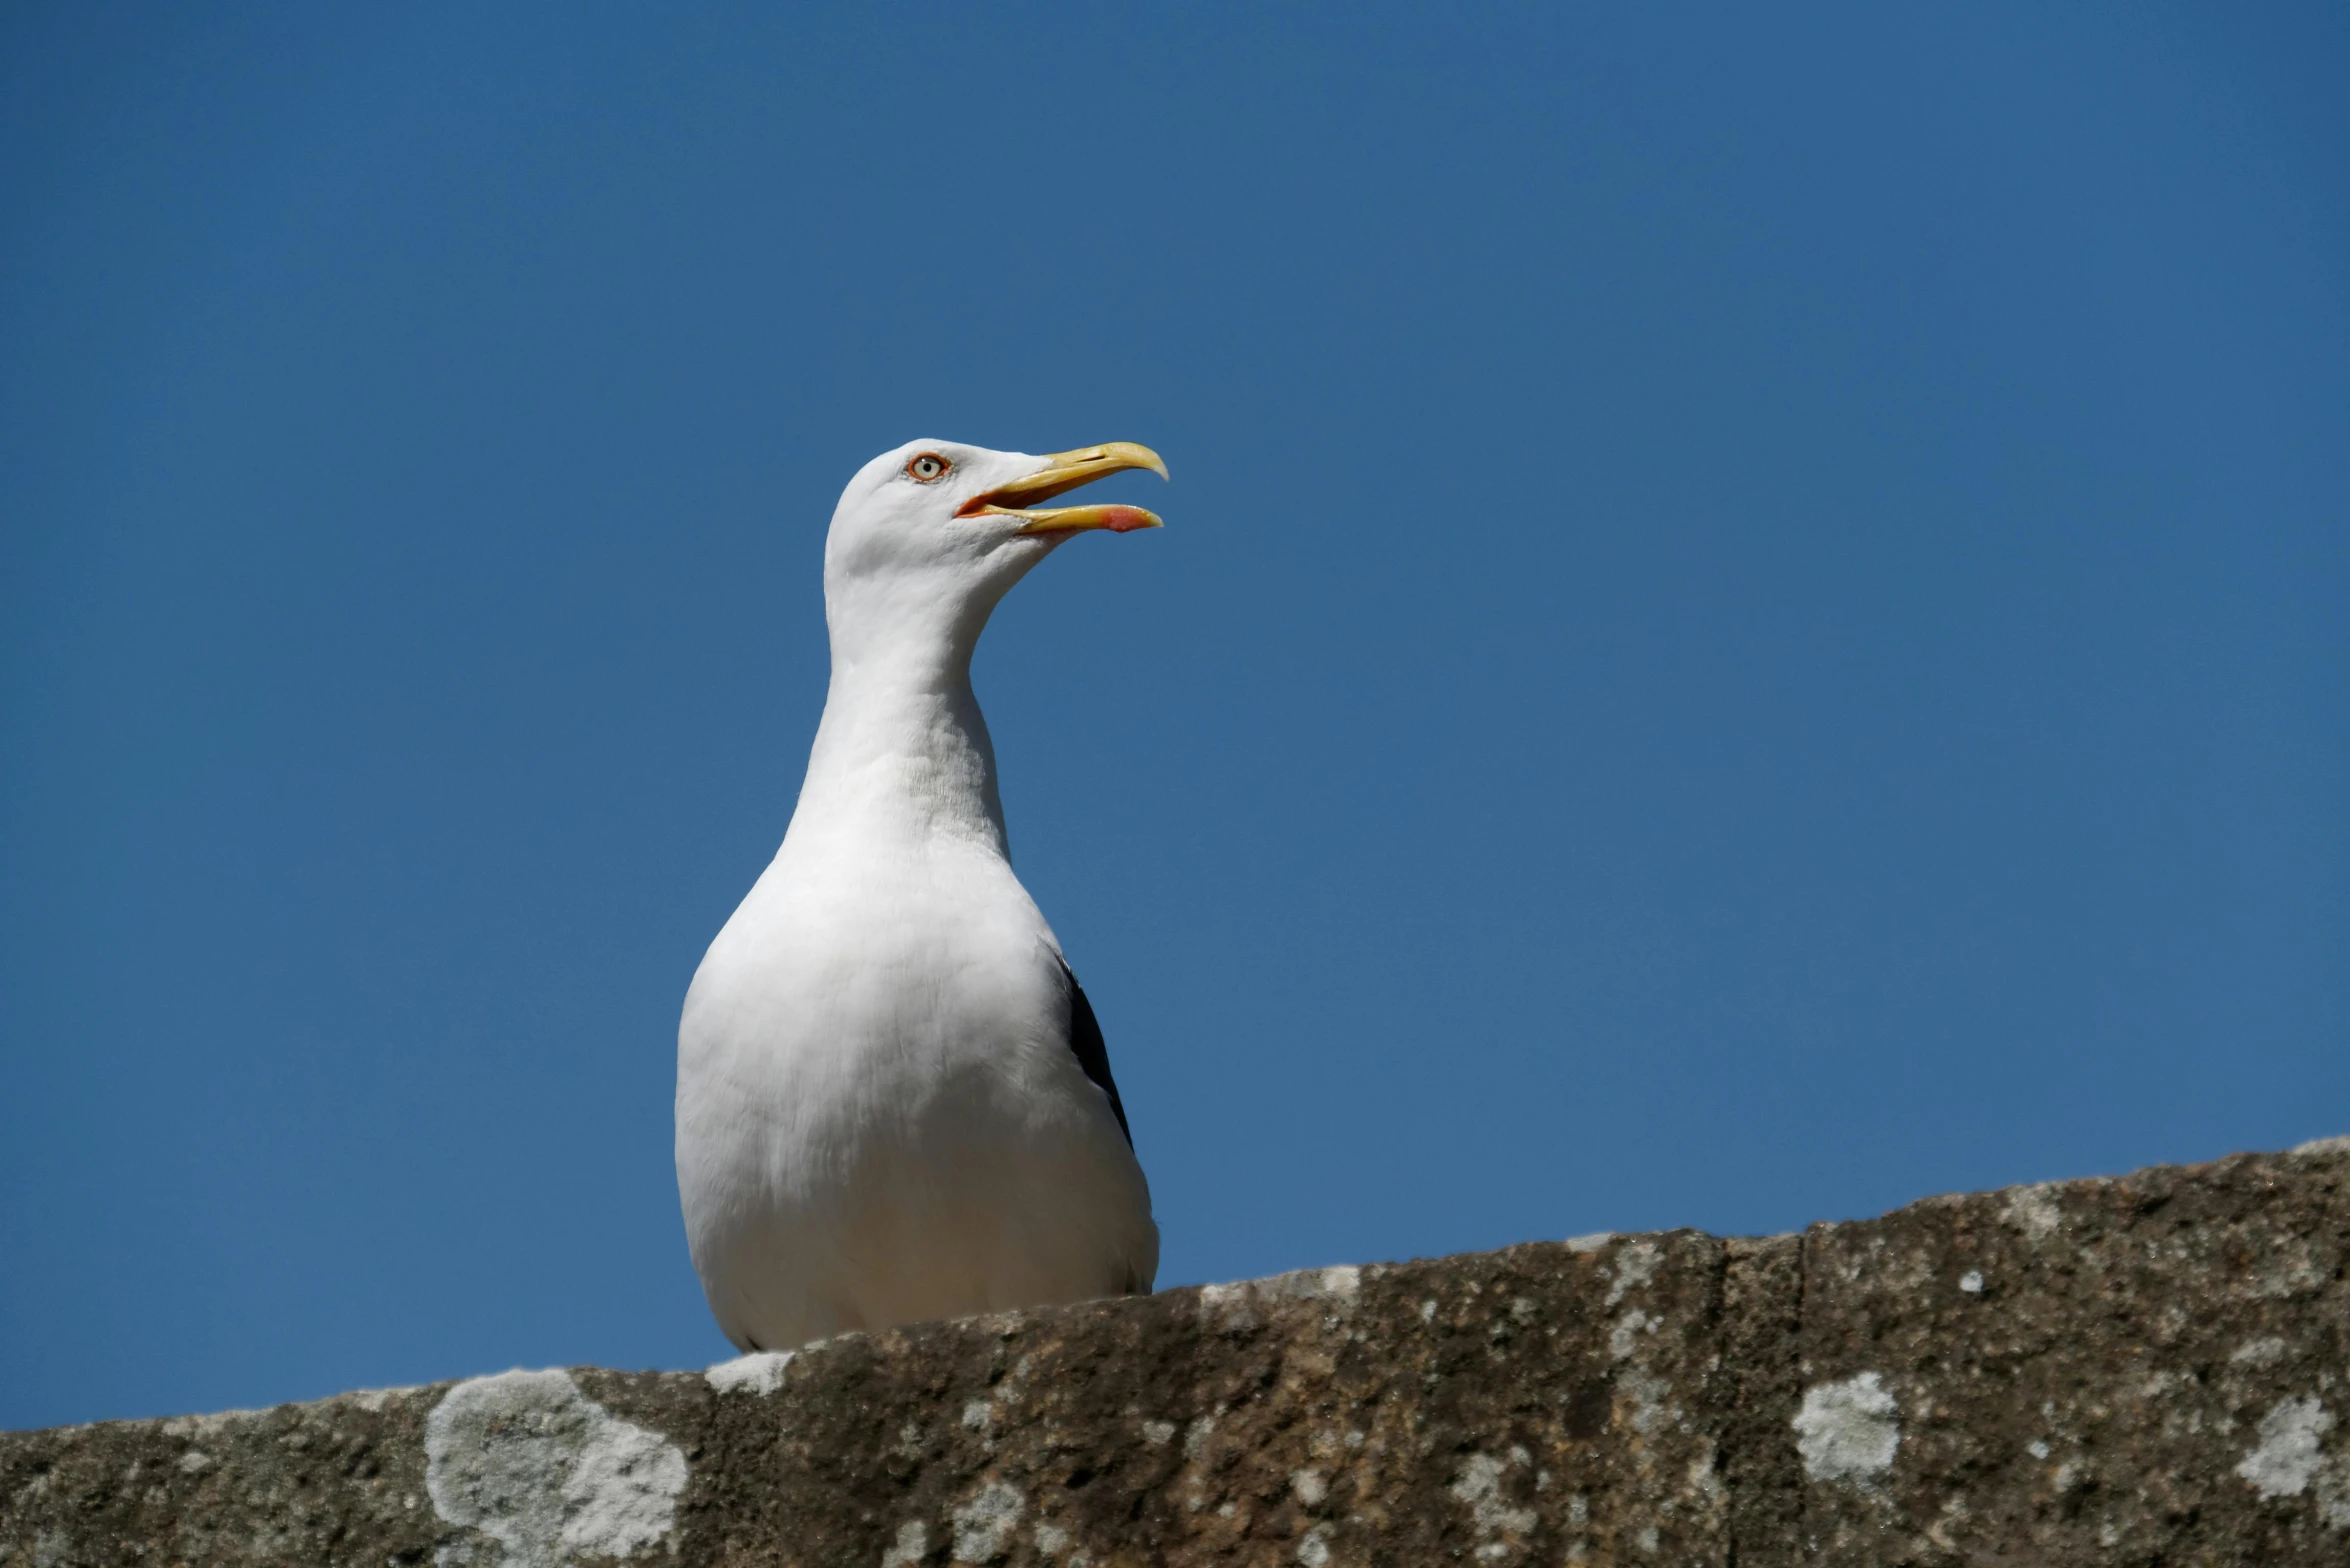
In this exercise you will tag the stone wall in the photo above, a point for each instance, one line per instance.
(2149, 1369)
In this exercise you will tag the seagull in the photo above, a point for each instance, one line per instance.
(893, 1099)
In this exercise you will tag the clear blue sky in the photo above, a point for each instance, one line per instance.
(1755, 620)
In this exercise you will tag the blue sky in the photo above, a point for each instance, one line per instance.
(1755, 620)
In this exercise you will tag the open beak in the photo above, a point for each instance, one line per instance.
(1064, 471)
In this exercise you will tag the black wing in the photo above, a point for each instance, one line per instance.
(1085, 1038)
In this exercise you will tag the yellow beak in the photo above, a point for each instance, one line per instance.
(1064, 471)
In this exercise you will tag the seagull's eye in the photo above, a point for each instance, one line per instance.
(926, 466)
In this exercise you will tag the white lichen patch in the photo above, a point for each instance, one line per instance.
(1501, 1528)
(978, 1415)
(1624, 1338)
(1310, 1486)
(2287, 1455)
(1971, 1282)
(218, 1423)
(2333, 1493)
(1635, 1266)
(2337, 1144)
(1848, 1430)
(1314, 1550)
(193, 1460)
(1233, 1305)
(2291, 1267)
(911, 1546)
(2033, 1210)
(760, 1372)
(2265, 1351)
(1590, 1243)
(1230, 1308)
(1340, 1283)
(984, 1525)
(1158, 1433)
(1051, 1539)
(551, 1476)
(1648, 1394)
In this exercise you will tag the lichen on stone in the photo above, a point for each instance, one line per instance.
(1848, 1430)
(527, 1460)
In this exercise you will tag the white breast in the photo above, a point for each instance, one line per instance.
(879, 1116)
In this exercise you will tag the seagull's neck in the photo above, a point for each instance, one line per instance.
(902, 757)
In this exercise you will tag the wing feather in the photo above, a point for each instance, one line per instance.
(1093, 1054)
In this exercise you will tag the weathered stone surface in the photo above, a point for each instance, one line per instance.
(2081, 1371)
(2151, 1369)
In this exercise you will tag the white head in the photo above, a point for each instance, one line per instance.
(927, 539)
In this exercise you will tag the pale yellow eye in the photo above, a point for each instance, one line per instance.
(927, 466)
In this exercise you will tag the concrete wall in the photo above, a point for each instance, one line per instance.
(2149, 1369)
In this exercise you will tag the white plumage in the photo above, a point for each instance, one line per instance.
(882, 1111)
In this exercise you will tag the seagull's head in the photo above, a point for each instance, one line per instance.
(928, 538)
